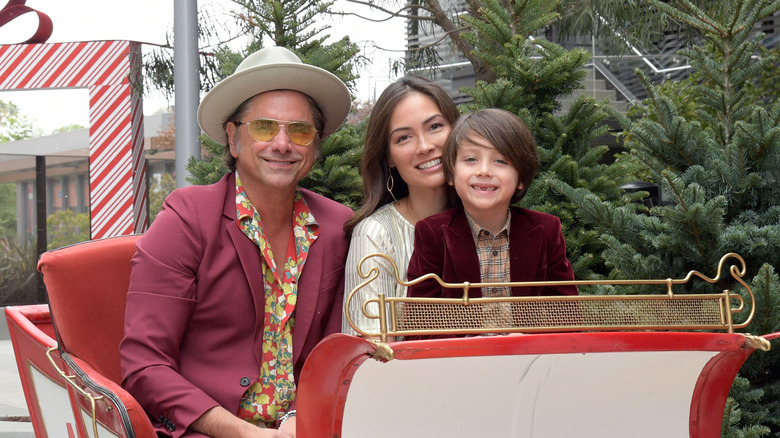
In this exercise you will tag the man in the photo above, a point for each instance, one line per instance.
(235, 283)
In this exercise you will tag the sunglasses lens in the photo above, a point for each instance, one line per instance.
(263, 130)
(301, 133)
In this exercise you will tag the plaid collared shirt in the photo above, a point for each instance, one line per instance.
(493, 254)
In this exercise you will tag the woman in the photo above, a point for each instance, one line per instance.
(403, 182)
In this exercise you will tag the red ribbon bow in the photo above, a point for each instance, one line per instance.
(15, 8)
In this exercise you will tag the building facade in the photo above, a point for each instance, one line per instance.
(66, 166)
(610, 75)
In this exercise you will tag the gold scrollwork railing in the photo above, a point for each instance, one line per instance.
(405, 316)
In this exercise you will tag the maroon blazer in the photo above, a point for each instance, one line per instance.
(444, 245)
(194, 318)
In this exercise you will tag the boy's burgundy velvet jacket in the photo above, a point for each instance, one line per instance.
(443, 245)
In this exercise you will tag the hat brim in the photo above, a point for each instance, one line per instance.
(328, 91)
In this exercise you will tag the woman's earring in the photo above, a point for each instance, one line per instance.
(390, 184)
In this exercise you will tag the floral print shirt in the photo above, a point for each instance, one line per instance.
(269, 398)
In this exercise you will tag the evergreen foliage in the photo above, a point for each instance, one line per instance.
(263, 23)
(715, 157)
(749, 411)
(336, 173)
(158, 191)
(292, 24)
(287, 23)
(712, 144)
(761, 368)
(617, 25)
(211, 166)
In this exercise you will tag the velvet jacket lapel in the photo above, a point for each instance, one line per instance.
(525, 247)
(525, 241)
(463, 263)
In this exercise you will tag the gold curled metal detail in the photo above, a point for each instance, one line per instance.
(757, 343)
(383, 352)
(404, 316)
(71, 380)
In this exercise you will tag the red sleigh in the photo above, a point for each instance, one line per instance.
(592, 374)
(67, 353)
(586, 366)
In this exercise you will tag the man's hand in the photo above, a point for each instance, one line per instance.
(287, 430)
(217, 422)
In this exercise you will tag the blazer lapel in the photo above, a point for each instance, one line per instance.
(464, 262)
(251, 263)
(308, 287)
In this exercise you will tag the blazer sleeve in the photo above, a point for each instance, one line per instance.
(160, 301)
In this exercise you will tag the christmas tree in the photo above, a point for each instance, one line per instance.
(716, 158)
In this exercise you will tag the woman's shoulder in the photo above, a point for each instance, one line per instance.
(385, 218)
(384, 231)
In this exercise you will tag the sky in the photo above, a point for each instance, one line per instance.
(148, 21)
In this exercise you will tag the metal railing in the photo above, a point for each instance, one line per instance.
(406, 316)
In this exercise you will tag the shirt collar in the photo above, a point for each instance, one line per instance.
(245, 209)
(477, 229)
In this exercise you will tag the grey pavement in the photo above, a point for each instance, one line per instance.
(12, 403)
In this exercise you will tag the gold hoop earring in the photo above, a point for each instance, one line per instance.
(390, 184)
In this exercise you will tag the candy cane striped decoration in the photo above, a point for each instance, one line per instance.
(117, 171)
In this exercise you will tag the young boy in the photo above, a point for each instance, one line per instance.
(491, 159)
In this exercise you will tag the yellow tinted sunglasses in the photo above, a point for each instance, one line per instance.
(300, 133)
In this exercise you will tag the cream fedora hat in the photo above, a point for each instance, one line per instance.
(273, 68)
